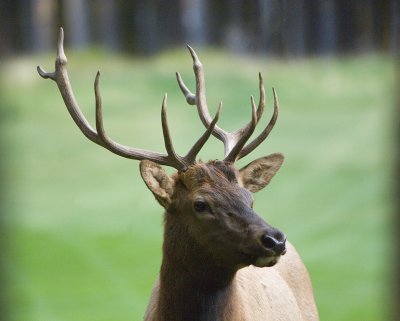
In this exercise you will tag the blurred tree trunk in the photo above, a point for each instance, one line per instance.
(346, 24)
(324, 27)
(145, 16)
(395, 30)
(43, 24)
(7, 29)
(269, 25)
(194, 21)
(293, 28)
(382, 24)
(107, 23)
(127, 32)
(23, 31)
(76, 22)
(169, 23)
(235, 32)
(364, 25)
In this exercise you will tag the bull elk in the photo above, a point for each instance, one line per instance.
(220, 259)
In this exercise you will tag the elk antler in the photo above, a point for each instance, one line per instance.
(99, 136)
(234, 142)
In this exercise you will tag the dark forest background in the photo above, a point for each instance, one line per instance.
(274, 27)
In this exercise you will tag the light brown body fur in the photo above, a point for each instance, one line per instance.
(279, 293)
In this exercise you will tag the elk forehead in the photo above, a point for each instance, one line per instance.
(210, 173)
(214, 177)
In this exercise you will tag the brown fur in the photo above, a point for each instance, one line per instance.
(204, 275)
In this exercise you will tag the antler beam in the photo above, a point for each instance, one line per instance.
(99, 136)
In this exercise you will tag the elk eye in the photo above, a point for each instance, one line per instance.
(200, 206)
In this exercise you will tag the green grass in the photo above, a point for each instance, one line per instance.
(84, 233)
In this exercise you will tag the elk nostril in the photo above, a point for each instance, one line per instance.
(269, 242)
(273, 244)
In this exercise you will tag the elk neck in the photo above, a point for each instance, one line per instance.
(192, 286)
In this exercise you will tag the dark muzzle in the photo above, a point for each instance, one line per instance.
(275, 244)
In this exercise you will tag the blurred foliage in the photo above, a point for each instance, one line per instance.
(85, 234)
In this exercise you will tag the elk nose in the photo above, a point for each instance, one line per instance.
(275, 244)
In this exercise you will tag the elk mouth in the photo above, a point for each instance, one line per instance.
(261, 260)
(266, 261)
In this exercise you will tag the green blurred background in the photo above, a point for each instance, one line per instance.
(81, 235)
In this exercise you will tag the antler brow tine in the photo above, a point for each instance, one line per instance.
(267, 130)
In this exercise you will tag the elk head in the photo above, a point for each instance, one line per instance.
(212, 202)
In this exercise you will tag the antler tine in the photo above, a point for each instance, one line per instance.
(190, 97)
(230, 139)
(60, 77)
(116, 148)
(264, 134)
(261, 101)
(191, 156)
(200, 98)
(174, 157)
(244, 135)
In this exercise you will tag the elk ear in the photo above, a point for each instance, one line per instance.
(158, 181)
(259, 173)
